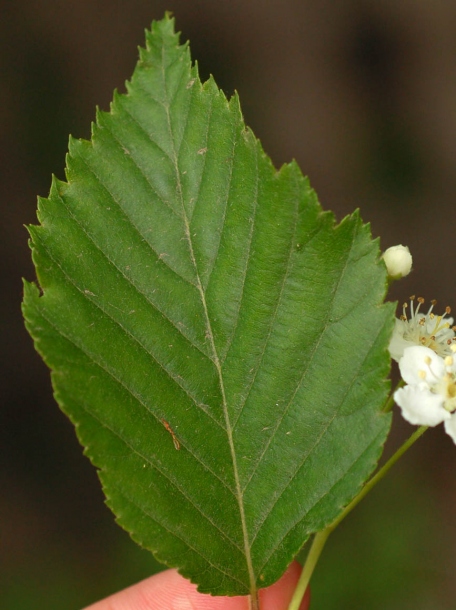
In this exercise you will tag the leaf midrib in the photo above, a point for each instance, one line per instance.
(210, 335)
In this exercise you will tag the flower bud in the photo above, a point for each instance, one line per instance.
(398, 261)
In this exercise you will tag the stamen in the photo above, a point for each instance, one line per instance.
(428, 329)
(420, 302)
(429, 313)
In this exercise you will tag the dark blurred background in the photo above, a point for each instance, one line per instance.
(363, 95)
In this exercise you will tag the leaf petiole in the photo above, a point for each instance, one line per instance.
(254, 602)
(322, 536)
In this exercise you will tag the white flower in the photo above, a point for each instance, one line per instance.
(429, 330)
(398, 261)
(429, 398)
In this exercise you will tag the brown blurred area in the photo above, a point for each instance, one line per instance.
(363, 95)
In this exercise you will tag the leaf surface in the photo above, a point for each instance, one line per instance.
(217, 340)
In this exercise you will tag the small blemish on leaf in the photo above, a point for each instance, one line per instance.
(170, 430)
(202, 151)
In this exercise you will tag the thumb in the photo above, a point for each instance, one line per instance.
(170, 591)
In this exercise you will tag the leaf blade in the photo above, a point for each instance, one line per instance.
(186, 281)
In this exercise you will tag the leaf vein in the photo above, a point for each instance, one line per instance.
(105, 368)
(245, 534)
(200, 182)
(246, 265)
(143, 130)
(211, 265)
(172, 376)
(273, 318)
(130, 281)
(167, 475)
(320, 499)
(323, 431)
(133, 224)
(173, 533)
(299, 384)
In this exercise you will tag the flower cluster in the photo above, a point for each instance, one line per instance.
(425, 347)
(428, 330)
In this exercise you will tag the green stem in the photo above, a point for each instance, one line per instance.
(321, 537)
(307, 571)
(389, 404)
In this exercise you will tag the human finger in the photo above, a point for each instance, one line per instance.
(168, 590)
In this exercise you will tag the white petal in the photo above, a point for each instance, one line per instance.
(420, 364)
(450, 427)
(398, 343)
(420, 406)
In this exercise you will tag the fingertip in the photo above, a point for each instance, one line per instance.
(167, 590)
(170, 590)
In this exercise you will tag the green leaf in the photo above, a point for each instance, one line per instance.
(218, 342)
